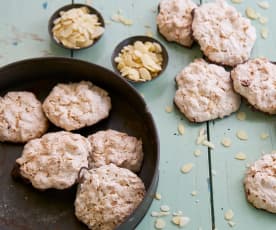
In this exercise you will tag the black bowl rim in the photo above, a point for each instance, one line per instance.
(68, 7)
(130, 41)
(135, 218)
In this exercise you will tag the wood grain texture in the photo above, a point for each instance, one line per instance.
(228, 181)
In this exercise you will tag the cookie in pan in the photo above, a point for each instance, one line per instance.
(205, 92)
(54, 160)
(224, 36)
(76, 105)
(116, 147)
(260, 183)
(174, 21)
(256, 81)
(21, 117)
(107, 195)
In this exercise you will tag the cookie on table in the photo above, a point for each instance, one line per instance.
(174, 21)
(255, 80)
(107, 195)
(205, 92)
(54, 160)
(21, 117)
(76, 105)
(260, 182)
(115, 147)
(224, 36)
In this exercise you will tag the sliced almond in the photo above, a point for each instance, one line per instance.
(264, 136)
(194, 193)
(242, 135)
(160, 223)
(197, 152)
(241, 116)
(226, 142)
(157, 196)
(165, 208)
(251, 13)
(264, 4)
(240, 156)
(169, 109)
(263, 20)
(231, 223)
(183, 221)
(264, 33)
(181, 129)
(187, 168)
(208, 144)
(228, 215)
(237, 1)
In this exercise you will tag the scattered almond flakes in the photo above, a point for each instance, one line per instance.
(237, 1)
(263, 20)
(264, 33)
(208, 144)
(154, 214)
(240, 156)
(242, 135)
(251, 13)
(226, 142)
(241, 116)
(159, 214)
(264, 4)
(181, 221)
(231, 223)
(160, 223)
(187, 167)
(157, 196)
(169, 109)
(165, 208)
(197, 152)
(229, 214)
(264, 136)
(194, 193)
(181, 129)
(121, 19)
(201, 136)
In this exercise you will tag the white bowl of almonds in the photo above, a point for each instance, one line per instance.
(76, 26)
(139, 59)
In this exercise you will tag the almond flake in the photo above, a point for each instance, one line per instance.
(226, 142)
(241, 116)
(201, 136)
(251, 13)
(187, 168)
(165, 208)
(160, 223)
(159, 214)
(197, 152)
(149, 33)
(157, 196)
(263, 20)
(194, 193)
(242, 135)
(264, 136)
(176, 220)
(237, 1)
(228, 215)
(183, 221)
(181, 129)
(154, 214)
(169, 109)
(231, 224)
(240, 156)
(178, 213)
(208, 144)
(264, 5)
(264, 33)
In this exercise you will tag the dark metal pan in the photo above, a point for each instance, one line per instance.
(24, 208)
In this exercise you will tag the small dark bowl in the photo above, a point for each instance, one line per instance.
(69, 7)
(130, 41)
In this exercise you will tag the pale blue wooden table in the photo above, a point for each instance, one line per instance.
(23, 34)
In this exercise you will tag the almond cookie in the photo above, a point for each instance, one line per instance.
(260, 183)
(107, 195)
(76, 105)
(224, 36)
(205, 92)
(256, 80)
(115, 147)
(21, 117)
(174, 20)
(54, 160)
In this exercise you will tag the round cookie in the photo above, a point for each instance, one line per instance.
(115, 147)
(260, 183)
(174, 21)
(76, 105)
(54, 160)
(205, 92)
(107, 195)
(255, 80)
(224, 36)
(21, 117)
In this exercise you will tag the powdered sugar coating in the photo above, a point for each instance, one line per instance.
(256, 81)
(76, 105)
(54, 160)
(174, 20)
(260, 183)
(205, 92)
(223, 34)
(115, 147)
(21, 117)
(107, 196)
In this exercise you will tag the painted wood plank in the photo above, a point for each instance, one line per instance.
(176, 150)
(228, 180)
(24, 30)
